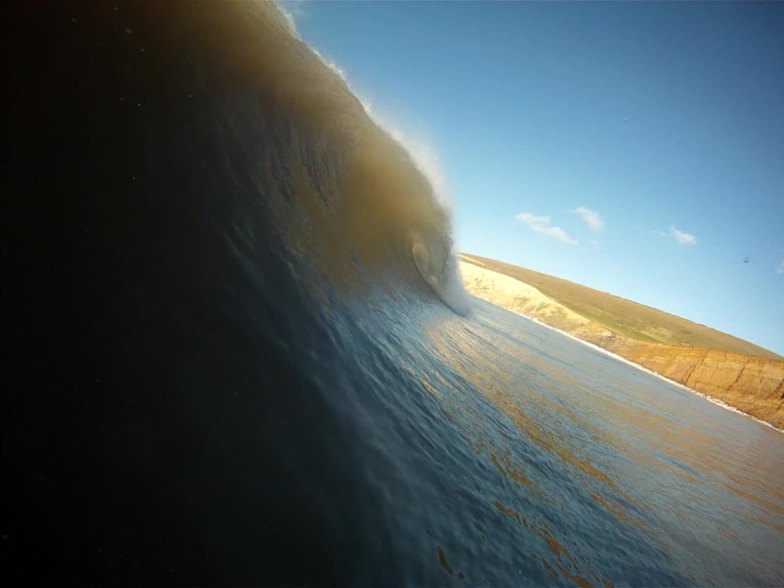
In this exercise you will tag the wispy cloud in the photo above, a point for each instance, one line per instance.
(682, 237)
(780, 269)
(543, 225)
(590, 217)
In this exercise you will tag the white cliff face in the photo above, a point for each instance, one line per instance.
(524, 299)
(514, 294)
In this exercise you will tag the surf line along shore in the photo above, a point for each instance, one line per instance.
(504, 285)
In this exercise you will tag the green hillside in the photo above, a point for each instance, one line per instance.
(623, 316)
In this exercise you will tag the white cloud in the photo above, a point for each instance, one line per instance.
(542, 224)
(590, 217)
(780, 269)
(682, 237)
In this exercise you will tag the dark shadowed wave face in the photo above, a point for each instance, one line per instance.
(194, 198)
(238, 351)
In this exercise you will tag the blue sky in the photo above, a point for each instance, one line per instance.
(635, 148)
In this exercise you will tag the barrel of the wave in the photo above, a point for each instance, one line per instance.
(380, 212)
(439, 269)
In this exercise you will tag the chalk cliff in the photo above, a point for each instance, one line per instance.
(752, 384)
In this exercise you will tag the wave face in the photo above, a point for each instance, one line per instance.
(238, 350)
(345, 199)
(201, 213)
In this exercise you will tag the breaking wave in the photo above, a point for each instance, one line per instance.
(231, 358)
(347, 193)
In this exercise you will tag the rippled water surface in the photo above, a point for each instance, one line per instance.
(559, 464)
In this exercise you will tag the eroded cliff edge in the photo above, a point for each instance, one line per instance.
(750, 383)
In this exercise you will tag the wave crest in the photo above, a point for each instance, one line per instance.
(363, 201)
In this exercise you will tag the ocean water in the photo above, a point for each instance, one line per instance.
(238, 350)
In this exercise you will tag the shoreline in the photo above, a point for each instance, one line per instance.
(622, 359)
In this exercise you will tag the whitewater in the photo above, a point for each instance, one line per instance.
(238, 350)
